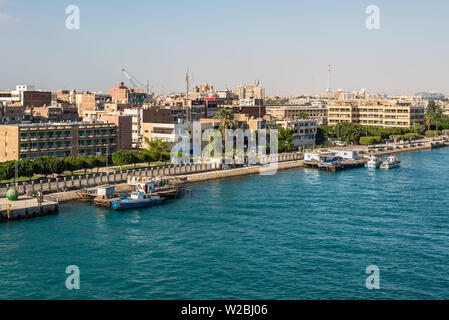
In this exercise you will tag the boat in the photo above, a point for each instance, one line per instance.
(170, 192)
(373, 162)
(391, 163)
(137, 200)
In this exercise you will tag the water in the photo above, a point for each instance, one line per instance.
(301, 234)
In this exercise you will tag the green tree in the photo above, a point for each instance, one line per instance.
(123, 157)
(26, 168)
(285, 140)
(74, 163)
(55, 165)
(226, 117)
(7, 170)
(41, 166)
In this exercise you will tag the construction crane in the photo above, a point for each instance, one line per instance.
(133, 82)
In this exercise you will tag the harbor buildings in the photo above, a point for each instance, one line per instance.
(28, 141)
(382, 113)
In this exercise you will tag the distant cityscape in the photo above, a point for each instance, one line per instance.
(37, 123)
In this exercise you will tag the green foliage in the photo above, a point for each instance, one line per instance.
(123, 157)
(321, 136)
(74, 163)
(7, 170)
(432, 133)
(370, 140)
(285, 140)
(226, 117)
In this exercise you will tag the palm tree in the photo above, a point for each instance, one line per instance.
(226, 117)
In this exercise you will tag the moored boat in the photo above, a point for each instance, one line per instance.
(373, 162)
(391, 163)
(136, 200)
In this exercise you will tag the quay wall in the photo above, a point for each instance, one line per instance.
(65, 188)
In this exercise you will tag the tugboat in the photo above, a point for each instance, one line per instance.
(373, 162)
(391, 163)
(136, 200)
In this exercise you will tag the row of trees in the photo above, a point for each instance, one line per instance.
(351, 132)
(49, 165)
(45, 166)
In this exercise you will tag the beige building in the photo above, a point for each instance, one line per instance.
(382, 113)
(250, 92)
(282, 112)
(28, 141)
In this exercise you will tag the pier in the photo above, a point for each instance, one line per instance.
(26, 207)
(342, 165)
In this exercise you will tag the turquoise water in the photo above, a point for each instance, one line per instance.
(301, 234)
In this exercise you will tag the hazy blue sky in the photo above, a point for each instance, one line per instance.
(284, 44)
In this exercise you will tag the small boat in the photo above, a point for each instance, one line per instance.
(373, 162)
(391, 163)
(136, 200)
(170, 192)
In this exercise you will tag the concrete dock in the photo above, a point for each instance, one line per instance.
(26, 207)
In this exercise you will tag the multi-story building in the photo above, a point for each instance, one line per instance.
(303, 131)
(124, 127)
(250, 92)
(121, 93)
(28, 141)
(382, 113)
(282, 112)
(26, 96)
(87, 101)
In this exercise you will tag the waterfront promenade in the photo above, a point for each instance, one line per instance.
(65, 188)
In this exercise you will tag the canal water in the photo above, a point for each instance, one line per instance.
(300, 234)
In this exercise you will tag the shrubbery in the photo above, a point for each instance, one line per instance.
(370, 140)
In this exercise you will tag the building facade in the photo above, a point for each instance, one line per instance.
(28, 141)
(381, 113)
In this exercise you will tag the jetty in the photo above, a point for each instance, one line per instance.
(26, 207)
(338, 166)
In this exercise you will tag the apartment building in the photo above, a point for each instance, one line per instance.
(26, 96)
(303, 131)
(121, 93)
(28, 141)
(382, 113)
(281, 112)
(250, 92)
(87, 101)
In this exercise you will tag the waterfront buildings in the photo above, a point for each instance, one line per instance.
(382, 113)
(28, 141)
(303, 131)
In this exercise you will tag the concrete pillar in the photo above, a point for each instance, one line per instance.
(146, 172)
(72, 180)
(65, 182)
(79, 182)
(57, 183)
(32, 186)
(152, 172)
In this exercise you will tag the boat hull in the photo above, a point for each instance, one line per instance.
(135, 204)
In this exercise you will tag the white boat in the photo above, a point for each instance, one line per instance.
(373, 162)
(391, 163)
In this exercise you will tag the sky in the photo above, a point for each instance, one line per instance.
(286, 45)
